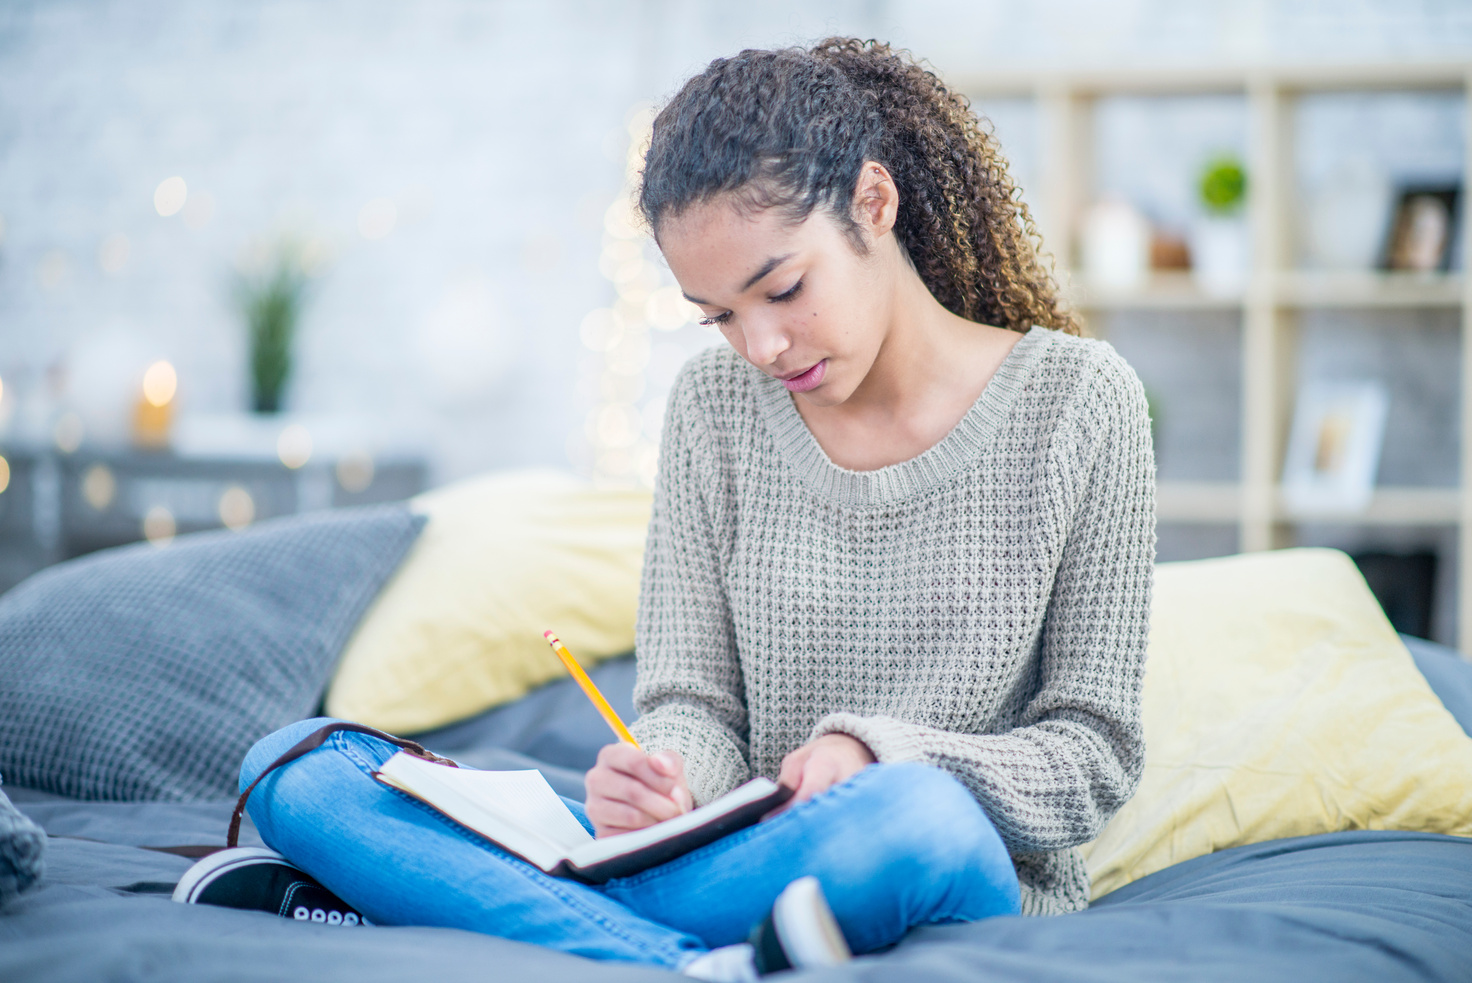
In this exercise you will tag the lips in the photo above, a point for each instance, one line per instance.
(809, 379)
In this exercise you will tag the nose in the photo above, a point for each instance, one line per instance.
(765, 340)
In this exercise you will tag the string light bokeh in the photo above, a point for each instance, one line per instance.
(633, 349)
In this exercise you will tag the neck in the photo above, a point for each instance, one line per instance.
(927, 352)
(930, 369)
(918, 354)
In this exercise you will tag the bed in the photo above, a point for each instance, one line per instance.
(1373, 906)
(131, 684)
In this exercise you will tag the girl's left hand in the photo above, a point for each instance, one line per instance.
(825, 762)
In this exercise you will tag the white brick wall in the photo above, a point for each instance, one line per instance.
(497, 130)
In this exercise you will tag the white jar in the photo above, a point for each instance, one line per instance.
(1115, 245)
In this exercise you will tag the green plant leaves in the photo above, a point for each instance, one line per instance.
(1223, 185)
(272, 307)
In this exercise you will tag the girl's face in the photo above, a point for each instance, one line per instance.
(795, 300)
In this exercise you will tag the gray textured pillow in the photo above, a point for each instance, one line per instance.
(22, 851)
(147, 673)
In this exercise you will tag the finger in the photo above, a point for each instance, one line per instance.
(613, 813)
(605, 783)
(639, 766)
(683, 797)
(668, 763)
(792, 767)
(607, 777)
(621, 757)
(679, 789)
(789, 778)
(617, 816)
(623, 789)
(796, 782)
(654, 805)
(602, 779)
(817, 777)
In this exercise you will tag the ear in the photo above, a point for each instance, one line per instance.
(876, 200)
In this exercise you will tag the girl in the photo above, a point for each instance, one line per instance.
(900, 557)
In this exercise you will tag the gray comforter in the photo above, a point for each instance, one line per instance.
(1350, 906)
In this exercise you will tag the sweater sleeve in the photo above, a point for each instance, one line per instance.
(1054, 781)
(690, 693)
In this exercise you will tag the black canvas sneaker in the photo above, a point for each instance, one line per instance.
(258, 879)
(800, 933)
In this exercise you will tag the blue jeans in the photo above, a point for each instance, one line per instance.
(895, 846)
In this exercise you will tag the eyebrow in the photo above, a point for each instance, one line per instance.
(767, 267)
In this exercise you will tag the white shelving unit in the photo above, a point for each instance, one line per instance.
(1276, 292)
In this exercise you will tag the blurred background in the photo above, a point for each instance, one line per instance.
(263, 257)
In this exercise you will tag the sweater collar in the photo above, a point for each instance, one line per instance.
(955, 451)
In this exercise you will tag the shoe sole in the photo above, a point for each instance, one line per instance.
(805, 925)
(204, 873)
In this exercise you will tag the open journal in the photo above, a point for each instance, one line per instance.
(518, 811)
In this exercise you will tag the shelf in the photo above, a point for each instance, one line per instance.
(1375, 290)
(1198, 501)
(1183, 80)
(1394, 507)
(1160, 292)
(1221, 502)
(1269, 305)
(1291, 289)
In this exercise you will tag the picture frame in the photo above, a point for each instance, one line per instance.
(1334, 447)
(1423, 228)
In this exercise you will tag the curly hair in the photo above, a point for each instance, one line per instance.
(793, 128)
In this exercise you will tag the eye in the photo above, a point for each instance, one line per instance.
(788, 295)
(716, 319)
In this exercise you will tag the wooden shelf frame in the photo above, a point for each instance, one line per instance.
(1220, 503)
(1290, 289)
(1276, 292)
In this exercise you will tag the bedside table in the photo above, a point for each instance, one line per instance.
(59, 506)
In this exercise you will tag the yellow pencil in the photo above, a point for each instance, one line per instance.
(602, 705)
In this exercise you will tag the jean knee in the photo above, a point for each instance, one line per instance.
(935, 827)
(921, 797)
(274, 745)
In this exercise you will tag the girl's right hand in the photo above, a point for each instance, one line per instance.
(629, 790)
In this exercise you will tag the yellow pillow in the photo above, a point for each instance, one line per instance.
(1279, 702)
(502, 559)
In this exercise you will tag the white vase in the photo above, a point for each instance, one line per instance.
(1115, 245)
(1219, 256)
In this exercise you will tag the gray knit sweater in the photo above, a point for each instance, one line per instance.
(982, 607)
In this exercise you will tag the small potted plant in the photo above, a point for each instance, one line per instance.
(272, 303)
(1219, 248)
